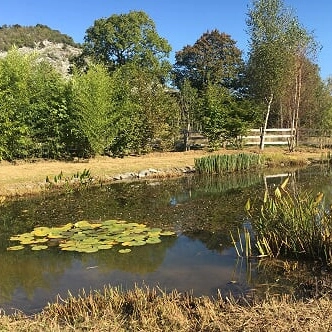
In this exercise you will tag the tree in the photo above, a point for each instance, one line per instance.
(126, 38)
(224, 118)
(146, 114)
(188, 100)
(277, 42)
(92, 100)
(48, 115)
(213, 59)
(15, 138)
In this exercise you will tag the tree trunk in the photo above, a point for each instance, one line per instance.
(261, 145)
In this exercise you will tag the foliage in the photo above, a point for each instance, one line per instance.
(146, 114)
(279, 47)
(35, 119)
(30, 36)
(126, 38)
(93, 106)
(292, 223)
(219, 164)
(225, 118)
(213, 59)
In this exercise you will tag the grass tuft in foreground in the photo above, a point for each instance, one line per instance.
(144, 309)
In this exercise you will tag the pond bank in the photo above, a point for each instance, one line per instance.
(23, 178)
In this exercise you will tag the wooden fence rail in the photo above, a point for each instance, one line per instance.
(273, 136)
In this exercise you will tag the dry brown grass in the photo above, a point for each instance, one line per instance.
(24, 177)
(153, 310)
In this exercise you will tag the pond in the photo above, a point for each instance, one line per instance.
(200, 259)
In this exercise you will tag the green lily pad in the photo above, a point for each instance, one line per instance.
(124, 251)
(69, 248)
(166, 233)
(153, 240)
(84, 236)
(41, 231)
(89, 250)
(105, 246)
(40, 247)
(19, 247)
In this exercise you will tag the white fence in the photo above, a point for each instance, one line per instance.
(273, 136)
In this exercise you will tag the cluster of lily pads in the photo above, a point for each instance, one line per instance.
(87, 237)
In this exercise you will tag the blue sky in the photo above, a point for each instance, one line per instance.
(181, 22)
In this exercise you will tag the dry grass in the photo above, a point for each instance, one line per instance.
(153, 310)
(24, 177)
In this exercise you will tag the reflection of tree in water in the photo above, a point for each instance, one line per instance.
(30, 270)
(142, 259)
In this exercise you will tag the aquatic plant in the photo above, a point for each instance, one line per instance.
(87, 237)
(292, 223)
(218, 164)
(80, 179)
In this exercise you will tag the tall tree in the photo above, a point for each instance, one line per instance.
(126, 38)
(277, 43)
(213, 59)
(188, 100)
(92, 99)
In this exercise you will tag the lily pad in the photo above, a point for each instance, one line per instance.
(124, 251)
(167, 233)
(105, 246)
(19, 247)
(86, 236)
(153, 240)
(41, 231)
(40, 247)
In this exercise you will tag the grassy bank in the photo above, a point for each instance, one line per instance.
(29, 177)
(152, 310)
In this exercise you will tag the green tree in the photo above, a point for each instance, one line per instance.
(15, 138)
(277, 44)
(146, 113)
(34, 120)
(224, 118)
(213, 59)
(126, 38)
(49, 117)
(92, 101)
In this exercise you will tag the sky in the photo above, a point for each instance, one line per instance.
(181, 22)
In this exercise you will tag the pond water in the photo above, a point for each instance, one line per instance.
(200, 259)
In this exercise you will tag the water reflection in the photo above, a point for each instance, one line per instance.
(200, 259)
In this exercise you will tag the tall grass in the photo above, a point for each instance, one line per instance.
(292, 223)
(219, 164)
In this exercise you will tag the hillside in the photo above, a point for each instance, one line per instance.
(31, 36)
(51, 45)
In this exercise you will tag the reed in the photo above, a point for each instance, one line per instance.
(292, 223)
(243, 245)
(219, 164)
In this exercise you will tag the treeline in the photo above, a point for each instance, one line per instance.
(30, 36)
(123, 96)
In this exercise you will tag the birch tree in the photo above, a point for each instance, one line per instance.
(278, 42)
